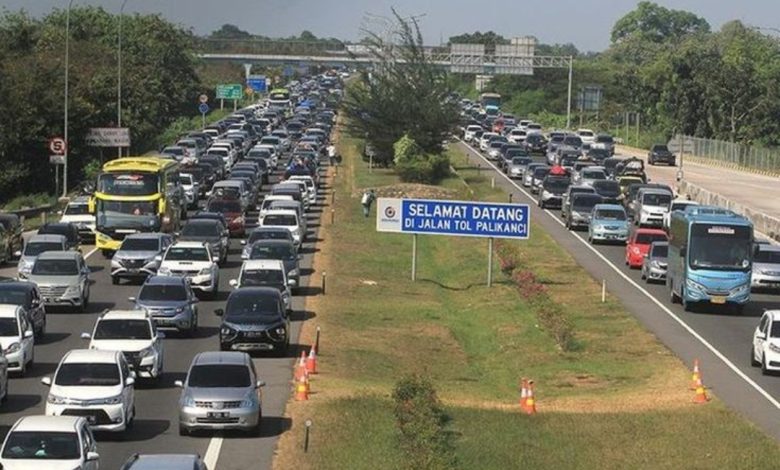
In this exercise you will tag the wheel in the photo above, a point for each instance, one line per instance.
(114, 280)
(764, 370)
(183, 431)
(673, 298)
(687, 306)
(753, 361)
(643, 276)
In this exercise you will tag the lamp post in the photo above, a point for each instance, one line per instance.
(67, 144)
(119, 73)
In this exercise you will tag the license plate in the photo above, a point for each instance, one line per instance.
(718, 299)
(218, 414)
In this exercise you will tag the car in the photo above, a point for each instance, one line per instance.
(655, 262)
(589, 175)
(587, 135)
(13, 231)
(36, 245)
(164, 462)
(292, 205)
(265, 233)
(638, 245)
(528, 175)
(677, 205)
(177, 152)
(266, 273)
(171, 303)
(484, 141)
(287, 219)
(660, 153)
(139, 256)
(300, 186)
(604, 142)
(68, 229)
(63, 279)
(470, 132)
(233, 210)
(494, 149)
(265, 206)
(608, 223)
(279, 249)
(255, 319)
(95, 384)
(77, 213)
(132, 332)
(652, 205)
(766, 267)
(26, 295)
(553, 188)
(195, 262)
(50, 442)
(221, 391)
(535, 143)
(207, 231)
(516, 168)
(580, 209)
(16, 338)
(311, 186)
(608, 189)
(191, 188)
(571, 191)
(765, 347)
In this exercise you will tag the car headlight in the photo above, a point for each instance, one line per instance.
(188, 401)
(740, 289)
(146, 352)
(227, 331)
(655, 264)
(55, 399)
(280, 331)
(204, 271)
(14, 347)
(110, 400)
(150, 261)
(774, 348)
(179, 310)
(250, 401)
(576, 215)
(693, 285)
(73, 290)
(245, 253)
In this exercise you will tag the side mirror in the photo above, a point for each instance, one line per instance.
(46, 381)
(260, 383)
(158, 258)
(233, 283)
(761, 335)
(129, 382)
(92, 457)
(86, 336)
(28, 334)
(219, 312)
(132, 299)
(179, 384)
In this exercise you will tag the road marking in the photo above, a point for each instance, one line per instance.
(663, 307)
(92, 252)
(212, 453)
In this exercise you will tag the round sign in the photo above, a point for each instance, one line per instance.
(203, 98)
(203, 108)
(57, 146)
(249, 91)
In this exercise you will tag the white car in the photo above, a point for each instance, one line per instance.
(485, 140)
(287, 219)
(311, 186)
(194, 261)
(132, 332)
(586, 135)
(50, 443)
(265, 273)
(95, 384)
(677, 205)
(517, 135)
(765, 351)
(77, 213)
(470, 132)
(274, 161)
(305, 197)
(265, 206)
(16, 338)
(191, 189)
(224, 153)
(533, 128)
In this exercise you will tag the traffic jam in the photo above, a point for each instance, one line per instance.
(705, 258)
(203, 250)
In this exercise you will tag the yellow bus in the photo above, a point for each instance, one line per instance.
(136, 194)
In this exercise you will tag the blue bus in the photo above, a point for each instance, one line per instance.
(710, 256)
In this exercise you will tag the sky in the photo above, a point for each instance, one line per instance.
(585, 23)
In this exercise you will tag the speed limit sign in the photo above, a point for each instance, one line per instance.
(203, 98)
(57, 146)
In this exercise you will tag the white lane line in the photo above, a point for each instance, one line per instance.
(212, 453)
(92, 252)
(641, 289)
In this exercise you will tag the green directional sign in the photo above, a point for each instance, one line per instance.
(232, 91)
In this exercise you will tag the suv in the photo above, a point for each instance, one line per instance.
(14, 235)
(195, 262)
(133, 333)
(652, 205)
(36, 245)
(191, 188)
(62, 278)
(97, 385)
(287, 219)
(170, 301)
(207, 231)
(254, 319)
(63, 228)
(579, 209)
(221, 391)
(139, 256)
(68, 438)
(264, 233)
(164, 461)
(282, 250)
(660, 153)
(27, 296)
(77, 213)
(266, 273)
(766, 267)
(16, 338)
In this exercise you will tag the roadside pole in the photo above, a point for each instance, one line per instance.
(568, 105)
(490, 262)
(414, 257)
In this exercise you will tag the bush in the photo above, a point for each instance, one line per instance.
(29, 200)
(415, 166)
(421, 421)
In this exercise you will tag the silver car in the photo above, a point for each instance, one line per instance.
(164, 461)
(36, 245)
(139, 256)
(655, 263)
(62, 278)
(766, 267)
(221, 391)
(170, 301)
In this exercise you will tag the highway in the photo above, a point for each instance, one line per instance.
(721, 341)
(156, 426)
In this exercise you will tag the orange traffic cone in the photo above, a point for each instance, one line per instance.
(696, 377)
(523, 394)
(302, 388)
(701, 393)
(300, 366)
(311, 361)
(530, 402)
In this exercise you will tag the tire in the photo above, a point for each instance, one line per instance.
(673, 298)
(650, 161)
(115, 280)
(644, 278)
(183, 431)
(764, 370)
(753, 361)
(687, 306)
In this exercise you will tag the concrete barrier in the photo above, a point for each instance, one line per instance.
(763, 223)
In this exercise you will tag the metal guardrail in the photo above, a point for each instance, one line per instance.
(29, 212)
(759, 159)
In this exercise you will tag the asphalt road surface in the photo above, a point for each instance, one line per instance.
(156, 425)
(721, 340)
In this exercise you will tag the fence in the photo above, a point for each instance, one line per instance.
(710, 151)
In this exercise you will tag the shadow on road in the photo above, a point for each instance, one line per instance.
(19, 403)
(50, 338)
(143, 430)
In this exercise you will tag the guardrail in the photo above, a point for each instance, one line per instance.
(32, 212)
(733, 155)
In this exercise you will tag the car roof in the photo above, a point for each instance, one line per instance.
(59, 255)
(275, 241)
(125, 315)
(158, 280)
(186, 244)
(47, 237)
(652, 231)
(162, 462)
(26, 285)
(47, 423)
(8, 310)
(146, 235)
(220, 357)
(281, 212)
(609, 206)
(91, 355)
(251, 264)
(204, 221)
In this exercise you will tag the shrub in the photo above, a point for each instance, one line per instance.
(29, 200)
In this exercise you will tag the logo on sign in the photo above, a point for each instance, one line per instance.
(57, 146)
(389, 212)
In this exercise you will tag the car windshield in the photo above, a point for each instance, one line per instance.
(280, 219)
(585, 204)
(77, 209)
(573, 141)
(767, 256)
(648, 238)
(55, 267)
(250, 309)
(123, 329)
(83, 374)
(201, 230)
(607, 188)
(9, 327)
(163, 292)
(140, 244)
(657, 199)
(520, 161)
(42, 445)
(12, 295)
(660, 148)
(280, 252)
(556, 183)
(720, 246)
(224, 206)
(281, 234)
(262, 277)
(180, 253)
(541, 172)
(593, 175)
(660, 251)
(604, 139)
(610, 214)
(219, 376)
(36, 248)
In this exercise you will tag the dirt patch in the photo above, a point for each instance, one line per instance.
(411, 190)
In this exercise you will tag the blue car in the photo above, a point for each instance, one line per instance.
(608, 223)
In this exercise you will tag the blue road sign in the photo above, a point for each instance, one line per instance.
(459, 218)
(203, 108)
(257, 83)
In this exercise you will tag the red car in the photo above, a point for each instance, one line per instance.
(234, 214)
(639, 244)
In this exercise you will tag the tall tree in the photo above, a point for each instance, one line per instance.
(654, 23)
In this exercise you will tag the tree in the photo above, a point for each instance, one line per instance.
(653, 23)
(230, 31)
(488, 38)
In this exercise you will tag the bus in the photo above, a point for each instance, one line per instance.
(136, 194)
(279, 98)
(490, 99)
(710, 256)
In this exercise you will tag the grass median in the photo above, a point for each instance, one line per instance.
(617, 399)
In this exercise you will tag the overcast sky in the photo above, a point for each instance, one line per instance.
(586, 23)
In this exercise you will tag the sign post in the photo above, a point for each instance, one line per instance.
(203, 108)
(58, 148)
(232, 91)
(459, 218)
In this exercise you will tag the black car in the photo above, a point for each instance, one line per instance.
(70, 231)
(254, 319)
(26, 295)
(660, 153)
(208, 231)
(609, 190)
(12, 224)
(206, 215)
(535, 143)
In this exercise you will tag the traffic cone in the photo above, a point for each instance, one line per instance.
(300, 366)
(696, 377)
(701, 393)
(302, 388)
(311, 361)
(530, 402)
(523, 394)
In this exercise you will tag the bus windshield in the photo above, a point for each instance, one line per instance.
(128, 184)
(127, 214)
(720, 247)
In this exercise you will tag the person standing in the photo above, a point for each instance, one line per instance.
(332, 154)
(368, 198)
